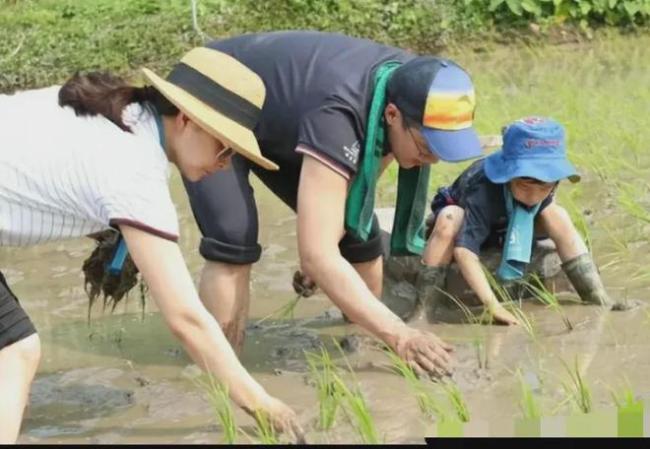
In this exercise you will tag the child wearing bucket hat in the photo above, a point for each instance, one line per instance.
(92, 156)
(501, 200)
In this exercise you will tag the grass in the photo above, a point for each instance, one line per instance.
(629, 195)
(528, 404)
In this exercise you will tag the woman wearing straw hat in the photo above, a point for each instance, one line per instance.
(93, 155)
(338, 110)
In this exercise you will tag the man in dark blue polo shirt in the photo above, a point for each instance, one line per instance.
(321, 90)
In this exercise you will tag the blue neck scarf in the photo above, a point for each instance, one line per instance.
(518, 244)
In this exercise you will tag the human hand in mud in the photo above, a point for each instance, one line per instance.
(303, 285)
(281, 417)
(424, 352)
(501, 315)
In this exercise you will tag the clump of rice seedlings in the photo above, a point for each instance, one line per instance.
(528, 404)
(625, 397)
(266, 433)
(354, 405)
(502, 293)
(577, 389)
(524, 320)
(427, 402)
(477, 341)
(540, 291)
(456, 399)
(358, 412)
(221, 405)
(287, 311)
(322, 370)
(514, 307)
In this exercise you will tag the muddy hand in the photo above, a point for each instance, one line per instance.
(303, 285)
(502, 316)
(424, 352)
(283, 419)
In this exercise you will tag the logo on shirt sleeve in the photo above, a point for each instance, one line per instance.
(352, 152)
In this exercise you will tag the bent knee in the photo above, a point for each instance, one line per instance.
(448, 223)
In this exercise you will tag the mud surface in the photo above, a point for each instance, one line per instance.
(126, 380)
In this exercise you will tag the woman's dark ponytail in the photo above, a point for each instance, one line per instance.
(100, 93)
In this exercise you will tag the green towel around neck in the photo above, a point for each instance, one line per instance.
(408, 224)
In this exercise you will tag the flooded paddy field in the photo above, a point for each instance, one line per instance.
(125, 379)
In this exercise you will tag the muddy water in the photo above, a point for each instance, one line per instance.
(126, 380)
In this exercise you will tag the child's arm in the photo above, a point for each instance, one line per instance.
(470, 267)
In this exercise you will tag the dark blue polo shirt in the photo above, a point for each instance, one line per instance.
(318, 91)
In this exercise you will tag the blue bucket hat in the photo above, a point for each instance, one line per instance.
(533, 147)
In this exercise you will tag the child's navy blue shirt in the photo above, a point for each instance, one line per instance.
(486, 219)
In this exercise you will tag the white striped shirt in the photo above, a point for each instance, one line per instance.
(63, 176)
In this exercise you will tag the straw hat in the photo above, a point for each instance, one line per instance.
(221, 95)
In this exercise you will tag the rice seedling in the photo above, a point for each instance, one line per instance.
(625, 397)
(287, 311)
(322, 371)
(354, 404)
(266, 433)
(528, 404)
(545, 296)
(456, 399)
(221, 405)
(357, 410)
(577, 389)
(477, 340)
(501, 292)
(506, 299)
(481, 353)
(427, 401)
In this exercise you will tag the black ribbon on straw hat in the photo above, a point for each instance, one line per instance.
(215, 95)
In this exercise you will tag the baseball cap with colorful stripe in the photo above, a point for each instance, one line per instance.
(439, 95)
